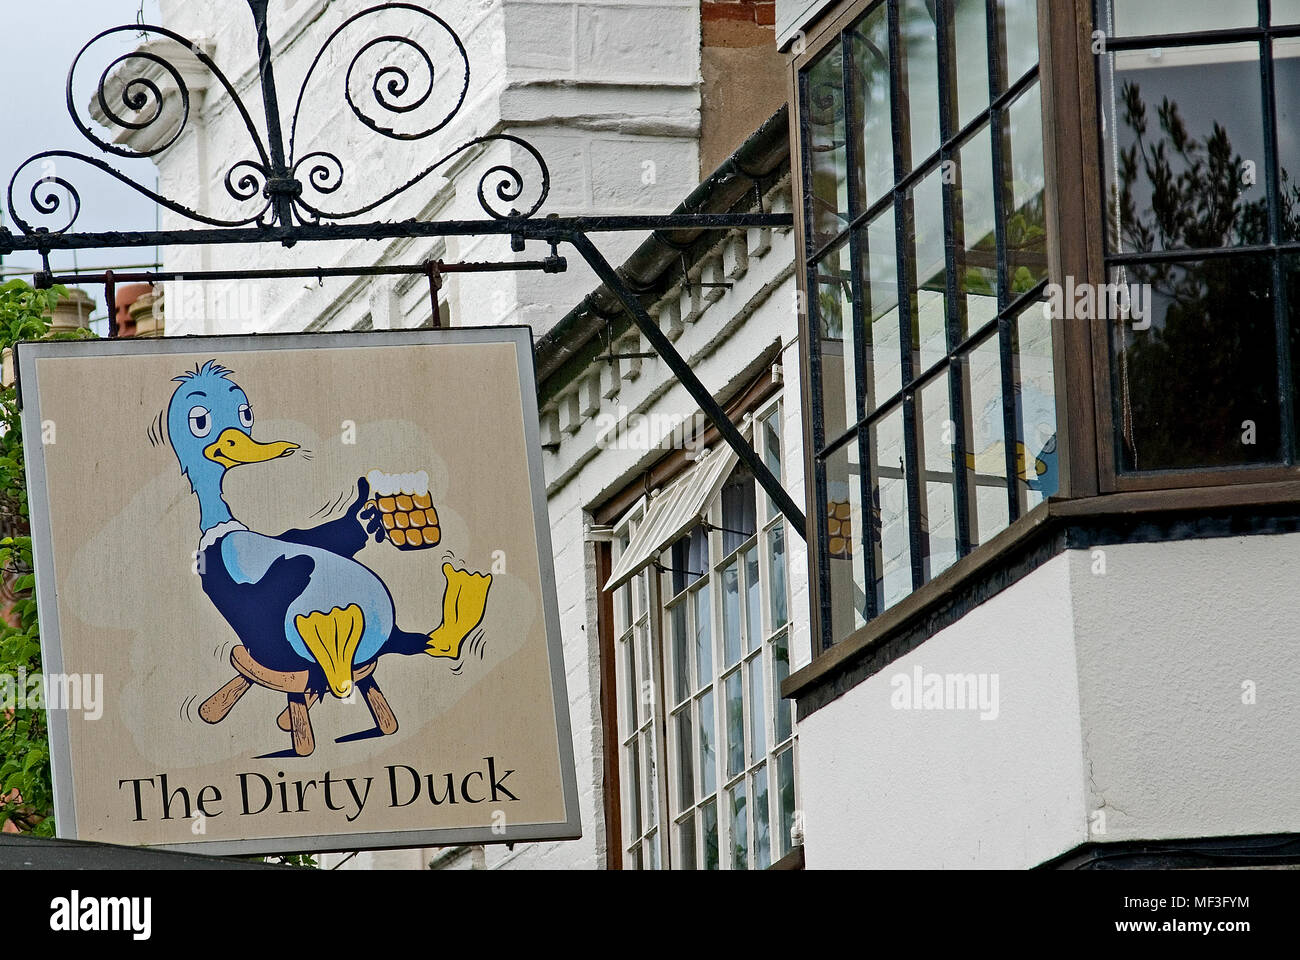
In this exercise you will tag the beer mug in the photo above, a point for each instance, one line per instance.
(405, 508)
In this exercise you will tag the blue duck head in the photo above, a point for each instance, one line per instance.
(210, 423)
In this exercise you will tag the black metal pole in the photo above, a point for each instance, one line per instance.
(699, 393)
(550, 229)
(279, 185)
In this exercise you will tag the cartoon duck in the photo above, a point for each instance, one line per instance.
(299, 600)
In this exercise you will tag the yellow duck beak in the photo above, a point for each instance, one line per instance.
(234, 447)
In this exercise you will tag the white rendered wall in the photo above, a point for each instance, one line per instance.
(1172, 642)
(1147, 692)
(912, 788)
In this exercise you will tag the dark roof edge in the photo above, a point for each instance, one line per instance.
(762, 153)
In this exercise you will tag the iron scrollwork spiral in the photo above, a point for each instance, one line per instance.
(397, 94)
(392, 85)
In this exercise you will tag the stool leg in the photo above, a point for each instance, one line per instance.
(283, 722)
(385, 719)
(303, 741)
(215, 708)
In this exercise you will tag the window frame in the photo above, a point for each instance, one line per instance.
(1112, 479)
(1068, 354)
(666, 707)
(1090, 480)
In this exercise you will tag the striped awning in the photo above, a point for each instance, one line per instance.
(674, 512)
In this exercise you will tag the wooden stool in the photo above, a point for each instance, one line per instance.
(294, 718)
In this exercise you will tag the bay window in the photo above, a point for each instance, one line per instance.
(933, 418)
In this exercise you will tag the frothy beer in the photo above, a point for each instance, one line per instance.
(405, 508)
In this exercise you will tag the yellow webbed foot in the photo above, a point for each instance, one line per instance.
(462, 610)
(332, 638)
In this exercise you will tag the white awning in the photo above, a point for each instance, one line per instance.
(674, 512)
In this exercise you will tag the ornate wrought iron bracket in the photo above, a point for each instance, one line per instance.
(279, 187)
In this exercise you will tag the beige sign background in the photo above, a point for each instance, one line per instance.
(482, 750)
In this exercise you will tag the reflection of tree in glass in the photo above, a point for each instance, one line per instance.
(1188, 384)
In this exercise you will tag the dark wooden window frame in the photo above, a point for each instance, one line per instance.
(1090, 483)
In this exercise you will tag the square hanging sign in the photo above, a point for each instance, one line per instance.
(297, 592)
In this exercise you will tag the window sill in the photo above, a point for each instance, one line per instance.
(791, 861)
(1041, 534)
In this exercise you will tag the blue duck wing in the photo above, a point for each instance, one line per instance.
(255, 611)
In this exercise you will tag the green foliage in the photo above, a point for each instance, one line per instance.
(24, 746)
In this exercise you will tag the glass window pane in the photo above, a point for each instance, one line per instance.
(689, 559)
(890, 529)
(986, 459)
(703, 636)
(776, 587)
(757, 711)
(633, 790)
(975, 234)
(730, 614)
(753, 616)
(878, 260)
(762, 832)
(1291, 290)
(685, 760)
(735, 710)
(1025, 217)
(871, 98)
(1031, 350)
(918, 58)
(769, 441)
(825, 145)
(785, 797)
(632, 695)
(681, 652)
(930, 281)
(649, 757)
(708, 748)
(739, 824)
(739, 512)
(1190, 391)
(1017, 22)
(1286, 65)
(1140, 18)
(686, 857)
(1286, 11)
(781, 670)
(835, 343)
(968, 33)
(1184, 132)
(634, 858)
(709, 828)
(645, 692)
(936, 440)
(846, 577)
(640, 590)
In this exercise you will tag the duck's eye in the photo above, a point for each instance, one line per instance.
(200, 421)
(245, 414)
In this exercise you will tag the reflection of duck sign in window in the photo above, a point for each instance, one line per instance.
(1035, 455)
(309, 616)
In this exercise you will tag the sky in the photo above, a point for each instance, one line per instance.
(37, 46)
